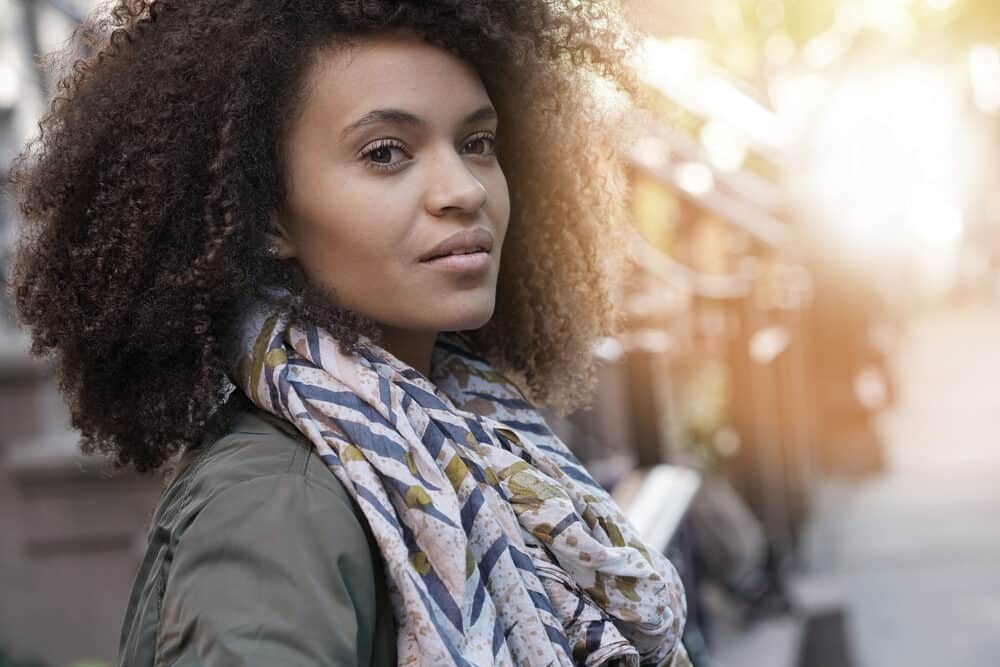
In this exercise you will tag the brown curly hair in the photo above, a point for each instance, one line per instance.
(146, 196)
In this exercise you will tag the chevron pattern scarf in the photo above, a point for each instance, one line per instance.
(499, 547)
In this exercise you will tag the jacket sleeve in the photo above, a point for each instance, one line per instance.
(272, 571)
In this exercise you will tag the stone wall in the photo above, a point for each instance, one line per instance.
(72, 529)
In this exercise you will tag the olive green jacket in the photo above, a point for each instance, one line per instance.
(258, 556)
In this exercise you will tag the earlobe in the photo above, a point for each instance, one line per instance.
(278, 245)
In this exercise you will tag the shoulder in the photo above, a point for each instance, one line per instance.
(256, 505)
(263, 475)
(257, 453)
(257, 445)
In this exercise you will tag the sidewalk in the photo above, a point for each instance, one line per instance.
(916, 553)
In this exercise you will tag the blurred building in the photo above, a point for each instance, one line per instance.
(73, 532)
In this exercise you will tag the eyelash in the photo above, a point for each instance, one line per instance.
(392, 143)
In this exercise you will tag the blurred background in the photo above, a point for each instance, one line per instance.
(803, 406)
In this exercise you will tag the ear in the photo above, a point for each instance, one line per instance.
(280, 239)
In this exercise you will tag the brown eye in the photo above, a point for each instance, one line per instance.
(379, 155)
(382, 155)
(484, 144)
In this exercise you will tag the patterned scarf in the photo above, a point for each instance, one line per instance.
(499, 547)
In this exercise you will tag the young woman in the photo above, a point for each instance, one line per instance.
(266, 237)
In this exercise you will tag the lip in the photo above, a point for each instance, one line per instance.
(471, 262)
(469, 239)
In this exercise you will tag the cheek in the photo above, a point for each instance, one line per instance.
(343, 240)
(499, 204)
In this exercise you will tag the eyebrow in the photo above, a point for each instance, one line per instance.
(400, 117)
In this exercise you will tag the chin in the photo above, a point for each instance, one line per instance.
(468, 320)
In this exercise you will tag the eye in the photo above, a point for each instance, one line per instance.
(378, 155)
(484, 144)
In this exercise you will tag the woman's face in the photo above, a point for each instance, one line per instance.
(392, 154)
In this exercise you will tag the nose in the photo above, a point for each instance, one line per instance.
(452, 186)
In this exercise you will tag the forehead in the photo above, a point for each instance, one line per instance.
(402, 72)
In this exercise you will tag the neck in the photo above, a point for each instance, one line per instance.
(413, 347)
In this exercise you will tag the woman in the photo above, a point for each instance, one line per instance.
(301, 206)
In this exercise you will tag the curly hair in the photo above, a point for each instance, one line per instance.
(146, 196)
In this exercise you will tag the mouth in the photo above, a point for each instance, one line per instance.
(467, 261)
(467, 244)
